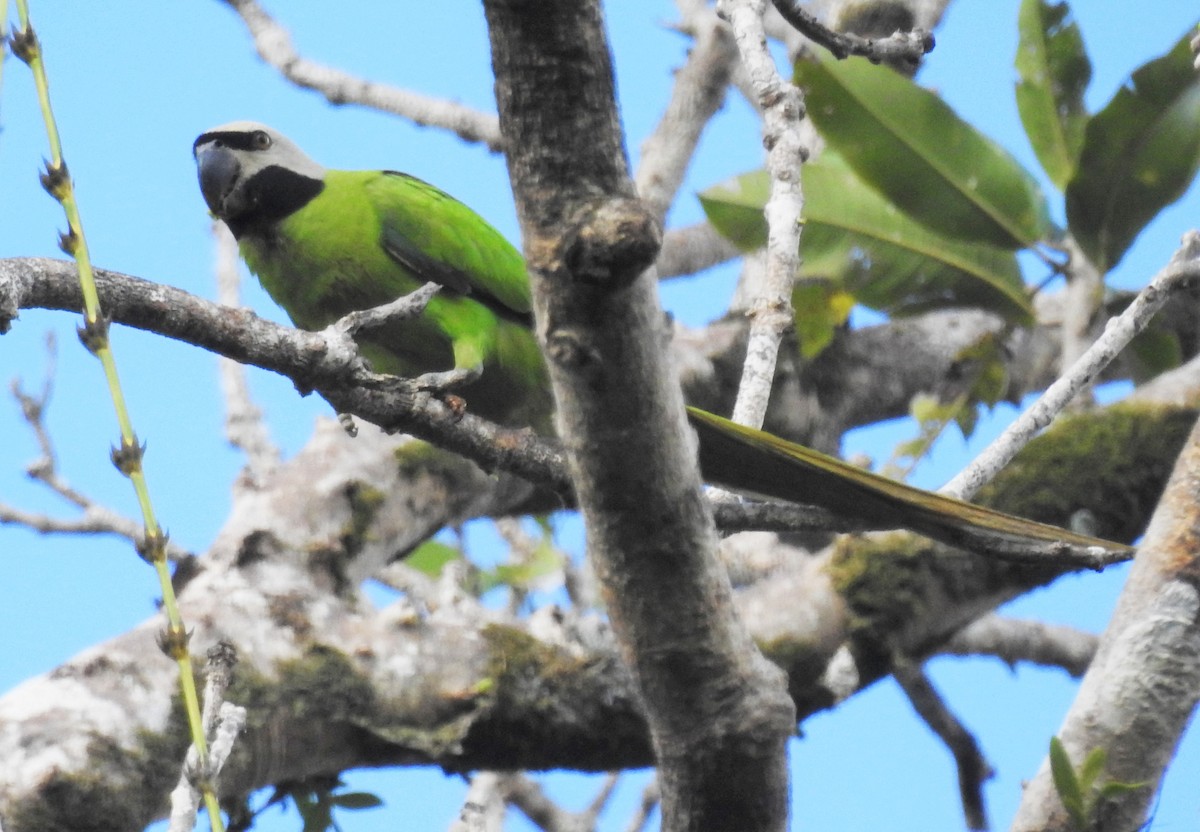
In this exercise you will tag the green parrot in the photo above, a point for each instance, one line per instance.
(324, 243)
(327, 242)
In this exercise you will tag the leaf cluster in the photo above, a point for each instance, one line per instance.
(1082, 790)
(910, 208)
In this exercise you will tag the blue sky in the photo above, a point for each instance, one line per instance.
(134, 82)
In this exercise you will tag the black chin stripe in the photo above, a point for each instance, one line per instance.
(270, 195)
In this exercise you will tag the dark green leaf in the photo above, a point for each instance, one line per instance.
(1054, 70)
(1140, 154)
(853, 235)
(907, 143)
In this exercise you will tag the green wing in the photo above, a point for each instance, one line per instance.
(745, 459)
(435, 237)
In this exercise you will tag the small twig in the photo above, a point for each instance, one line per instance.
(651, 796)
(401, 309)
(1013, 640)
(697, 95)
(95, 518)
(275, 46)
(520, 549)
(783, 107)
(528, 796)
(902, 47)
(244, 425)
(1182, 270)
(483, 808)
(602, 798)
(692, 249)
(973, 769)
(1084, 297)
(222, 723)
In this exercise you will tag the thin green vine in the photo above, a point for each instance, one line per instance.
(128, 456)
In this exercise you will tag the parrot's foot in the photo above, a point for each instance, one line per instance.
(448, 380)
(440, 385)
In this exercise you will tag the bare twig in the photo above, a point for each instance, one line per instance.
(483, 807)
(274, 46)
(244, 425)
(1013, 640)
(1084, 298)
(222, 723)
(94, 518)
(651, 796)
(902, 47)
(783, 107)
(698, 93)
(402, 308)
(1183, 269)
(544, 813)
(691, 249)
(973, 769)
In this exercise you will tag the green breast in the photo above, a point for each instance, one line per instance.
(326, 260)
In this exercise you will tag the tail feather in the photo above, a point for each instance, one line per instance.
(744, 459)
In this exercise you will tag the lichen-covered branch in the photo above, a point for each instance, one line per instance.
(1142, 687)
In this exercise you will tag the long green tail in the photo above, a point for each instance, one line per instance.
(744, 459)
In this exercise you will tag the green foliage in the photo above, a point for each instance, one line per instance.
(1066, 782)
(1081, 790)
(432, 556)
(315, 799)
(866, 247)
(540, 562)
(1140, 153)
(908, 144)
(820, 308)
(1054, 71)
(543, 560)
(986, 381)
(910, 208)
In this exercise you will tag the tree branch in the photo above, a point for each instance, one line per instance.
(1012, 641)
(902, 47)
(770, 308)
(1142, 687)
(973, 769)
(1182, 271)
(719, 713)
(274, 46)
(244, 425)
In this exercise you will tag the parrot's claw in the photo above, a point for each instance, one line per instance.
(440, 385)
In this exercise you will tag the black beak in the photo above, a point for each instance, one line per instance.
(218, 169)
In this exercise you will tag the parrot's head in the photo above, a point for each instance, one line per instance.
(250, 173)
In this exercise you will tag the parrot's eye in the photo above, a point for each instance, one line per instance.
(260, 140)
